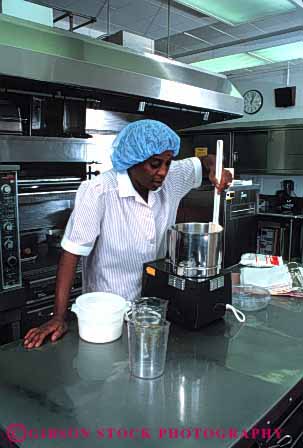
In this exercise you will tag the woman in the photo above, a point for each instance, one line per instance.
(121, 217)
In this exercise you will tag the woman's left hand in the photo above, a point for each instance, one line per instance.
(226, 180)
(209, 163)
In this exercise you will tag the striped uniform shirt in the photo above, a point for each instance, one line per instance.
(116, 231)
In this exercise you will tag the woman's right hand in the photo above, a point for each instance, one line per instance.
(55, 328)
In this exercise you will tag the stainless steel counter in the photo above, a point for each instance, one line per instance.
(226, 376)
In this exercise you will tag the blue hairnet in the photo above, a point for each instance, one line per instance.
(140, 140)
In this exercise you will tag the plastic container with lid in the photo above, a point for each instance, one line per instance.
(250, 297)
(100, 316)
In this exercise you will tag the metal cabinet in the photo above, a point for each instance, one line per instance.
(254, 151)
(209, 140)
(186, 147)
(250, 151)
(285, 151)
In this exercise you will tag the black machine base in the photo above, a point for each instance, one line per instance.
(193, 303)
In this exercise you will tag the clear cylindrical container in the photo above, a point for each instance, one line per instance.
(250, 297)
(147, 346)
(149, 310)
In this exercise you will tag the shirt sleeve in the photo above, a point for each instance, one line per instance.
(184, 175)
(83, 227)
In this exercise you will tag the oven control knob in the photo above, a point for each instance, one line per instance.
(12, 261)
(8, 226)
(6, 188)
(8, 244)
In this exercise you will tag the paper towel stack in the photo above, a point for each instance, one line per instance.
(276, 279)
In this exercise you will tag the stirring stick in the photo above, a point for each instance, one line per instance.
(219, 163)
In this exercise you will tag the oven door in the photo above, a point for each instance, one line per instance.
(46, 202)
(36, 315)
(40, 301)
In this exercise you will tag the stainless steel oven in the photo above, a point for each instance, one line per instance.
(46, 194)
(39, 178)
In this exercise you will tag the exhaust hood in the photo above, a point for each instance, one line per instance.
(145, 85)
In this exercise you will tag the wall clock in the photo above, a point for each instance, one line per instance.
(253, 101)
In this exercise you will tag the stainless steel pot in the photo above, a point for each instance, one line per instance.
(195, 249)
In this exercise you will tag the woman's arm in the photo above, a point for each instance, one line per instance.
(57, 326)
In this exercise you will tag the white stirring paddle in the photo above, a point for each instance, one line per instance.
(219, 163)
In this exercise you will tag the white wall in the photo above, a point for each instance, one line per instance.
(266, 83)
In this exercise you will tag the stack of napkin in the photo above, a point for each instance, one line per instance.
(267, 272)
(277, 280)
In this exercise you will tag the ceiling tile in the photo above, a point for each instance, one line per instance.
(130, 14)
(118, 4)
(156, 32)
(211, 35)
(177, 46)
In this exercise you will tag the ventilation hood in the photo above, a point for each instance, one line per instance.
(146, 85)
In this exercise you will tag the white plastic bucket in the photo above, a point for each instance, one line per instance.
(100, 316)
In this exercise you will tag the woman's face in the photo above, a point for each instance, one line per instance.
(151, 173)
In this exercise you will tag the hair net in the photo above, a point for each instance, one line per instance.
(140, 140)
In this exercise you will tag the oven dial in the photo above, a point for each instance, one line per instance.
(8, 244)
(8, 226)
(12, 261)
(6, 188)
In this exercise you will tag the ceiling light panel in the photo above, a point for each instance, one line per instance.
(235, 12)
(282, 53)
(228, 63)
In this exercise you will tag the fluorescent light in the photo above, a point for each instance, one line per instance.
(282, 53)
(235, 12)
(229, 63)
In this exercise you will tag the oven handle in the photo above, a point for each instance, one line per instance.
(36, 193)
(250, 209)
(12, 119)
(42, 280)
(40, 310)
(70, 180)
(42, 299)
(40, 314)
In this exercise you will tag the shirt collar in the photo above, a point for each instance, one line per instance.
(125, 186)
(126, 189)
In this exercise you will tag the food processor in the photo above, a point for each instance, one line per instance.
(190, 277)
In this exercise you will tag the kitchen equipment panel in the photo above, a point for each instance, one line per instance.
(9, 232)
(239, 222)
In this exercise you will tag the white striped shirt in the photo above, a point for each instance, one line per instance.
(116, 231)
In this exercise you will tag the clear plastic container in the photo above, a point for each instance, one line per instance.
(250, 297)
(149, 310)
(147, 345)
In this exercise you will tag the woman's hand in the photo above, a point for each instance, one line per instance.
(56, 327)
(209, 163)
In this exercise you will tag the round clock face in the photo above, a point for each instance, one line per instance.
(253, 101)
